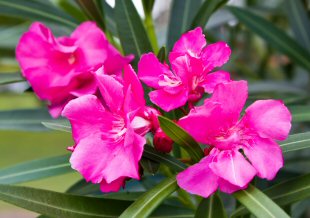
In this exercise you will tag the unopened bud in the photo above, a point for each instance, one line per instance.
(162, 142)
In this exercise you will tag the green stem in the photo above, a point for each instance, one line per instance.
(149, 25)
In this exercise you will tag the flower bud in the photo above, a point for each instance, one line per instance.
(162, 142)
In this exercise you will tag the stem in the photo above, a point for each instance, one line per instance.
(150, 29)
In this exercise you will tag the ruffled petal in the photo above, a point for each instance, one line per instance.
(115, 62)
(114, 186)
(168, 101)
(150, 69)
(203, 123)
(233, 167)
(111, 90)
(98, 159)
(213, 79)
(92, 46)
(190, 43)
(199, 179)
(215, 55)
(131, 79)
(269, 118)
(232, 96)
(229, 188)
(266, 157)
(87, 117)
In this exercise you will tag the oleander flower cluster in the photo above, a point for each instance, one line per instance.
(84, 78)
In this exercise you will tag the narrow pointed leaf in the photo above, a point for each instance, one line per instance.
(211, 207)
(60, 125)
(296, 142)
(60, 204)
(6, 78)
(181, 17)
(36, 10)
(165, 159)
(206, 10)
(132, 34)
(181, 137)
(148, 202)
(109, 16)
(285, 193)
(274, 36)
(36, 169)
(92, 10)
(299, 20)
(24, 119)
(259, 204)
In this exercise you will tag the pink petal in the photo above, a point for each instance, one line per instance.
(190, 43)
(168, 101)
(213, 79)
(232, 96)
(115, 62)
(181, 66)
(87, 117)
(204, 123)
(92, 45)
(270, 118)
(149, 70)
(199, 179)
(266, 157)
(114, 186)
(33, 51)
(111, 90)
(215, 55)
(229, 188)
(233, 167)
(131, 79)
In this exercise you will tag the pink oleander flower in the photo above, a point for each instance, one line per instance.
(240, 149)
(60, 69)
(109, 132)
(192, 62)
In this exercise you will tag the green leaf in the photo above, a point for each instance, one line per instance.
(206, 10)
(92, 10)
(36, 10)
(131, 31)
(258, 203)
(60, 125)
(181, 17)
(299, 20)
(145, 204)
(36, 169)
(60, 204)
(162, 54)
(149, 165)
(274, 36)
(296, 142)
(72, 9)
(300, 113)
(169, 161)
(285, 193)
(109, 17)
(181, 137)
(211, 207)
(24, 119)
(6, 78)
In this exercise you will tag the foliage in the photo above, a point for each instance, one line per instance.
(272, 51)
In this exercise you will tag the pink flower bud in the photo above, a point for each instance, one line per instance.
(162, 142)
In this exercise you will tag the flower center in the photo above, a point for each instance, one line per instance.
(171, 81)
(71, 59)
